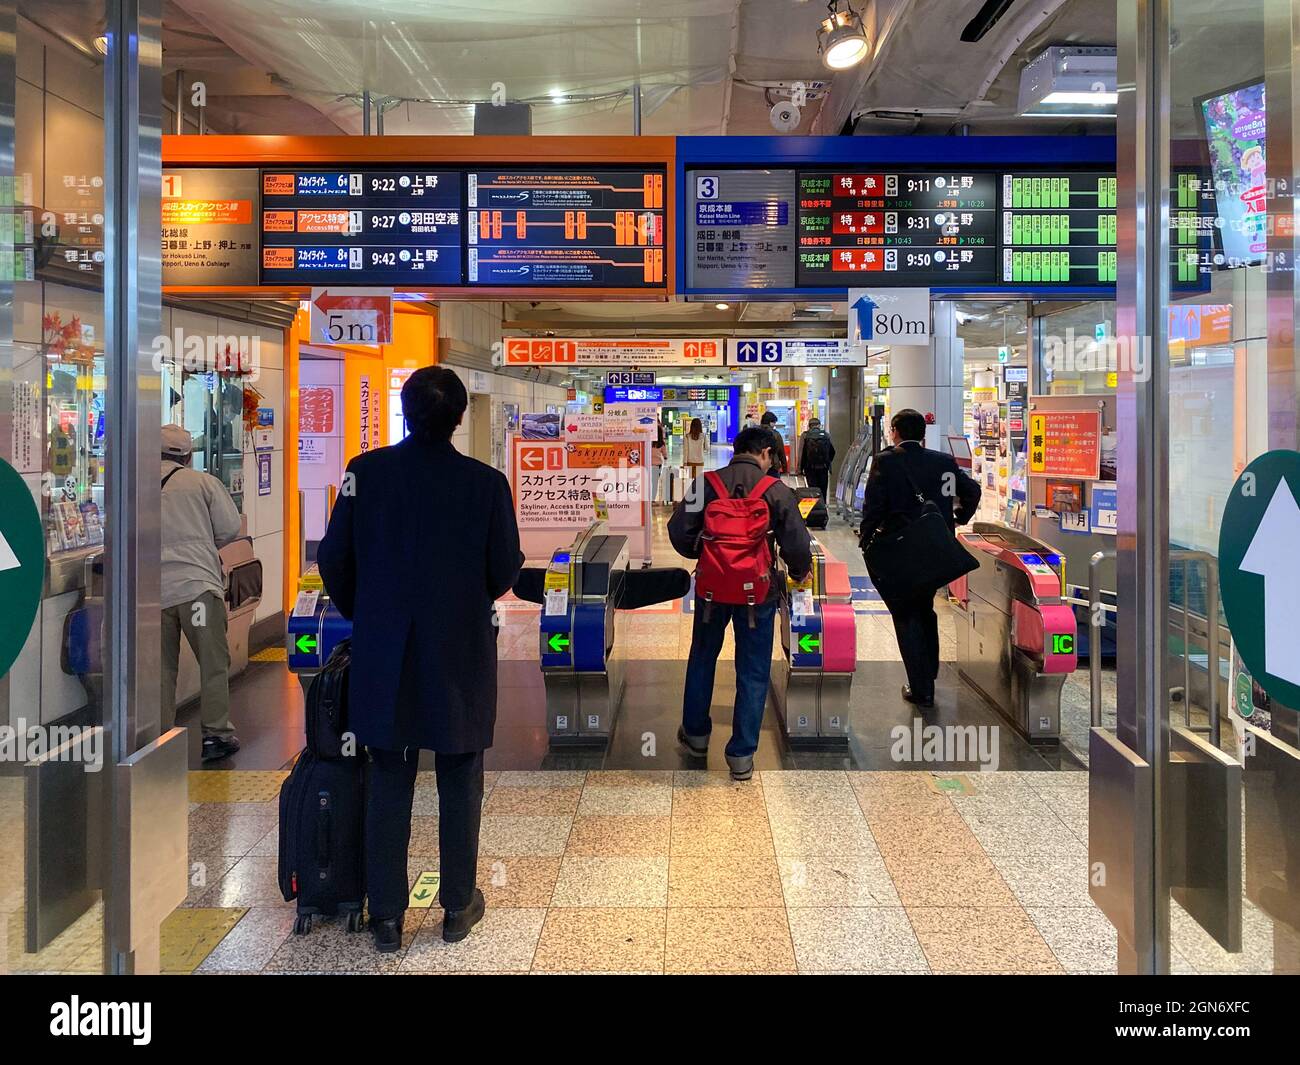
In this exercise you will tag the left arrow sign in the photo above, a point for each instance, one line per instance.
(306, 644)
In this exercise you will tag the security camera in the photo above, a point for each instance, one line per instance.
(784, 117)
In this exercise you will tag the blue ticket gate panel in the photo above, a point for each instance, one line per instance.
(583, 665)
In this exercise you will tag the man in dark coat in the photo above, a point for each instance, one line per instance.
(816, 456)
(889, 501)
(421, 542)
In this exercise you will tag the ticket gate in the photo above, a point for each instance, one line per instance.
(314, 629)
(1015, 633)
(811, 683)
(583, 662)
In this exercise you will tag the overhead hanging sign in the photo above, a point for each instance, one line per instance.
(585, 351)
(352, 316)
(795, 351)
(740, 229)
(209, 226)
(602, 228)
(889, 316)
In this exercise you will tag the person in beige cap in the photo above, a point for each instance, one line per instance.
(198, 518)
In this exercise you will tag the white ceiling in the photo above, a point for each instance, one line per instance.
(705, 66)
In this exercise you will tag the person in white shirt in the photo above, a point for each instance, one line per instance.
(198, 518)
(695, 447)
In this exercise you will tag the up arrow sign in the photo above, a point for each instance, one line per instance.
(8, 560)
(1272, 554)
(863, 307)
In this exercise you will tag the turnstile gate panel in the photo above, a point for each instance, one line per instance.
(1015, 635)
(811, 683)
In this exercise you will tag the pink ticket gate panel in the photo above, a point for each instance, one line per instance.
(812, 681)
(1015, 633)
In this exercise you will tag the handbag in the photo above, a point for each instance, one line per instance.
(918, 557)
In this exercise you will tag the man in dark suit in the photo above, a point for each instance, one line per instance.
(421, 542)
(897, 474)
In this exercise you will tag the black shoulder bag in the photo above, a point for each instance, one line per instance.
(918, 557)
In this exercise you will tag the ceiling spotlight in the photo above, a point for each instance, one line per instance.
(722, 306)
(842, 38)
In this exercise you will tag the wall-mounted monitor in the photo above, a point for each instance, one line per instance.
(1234, 123)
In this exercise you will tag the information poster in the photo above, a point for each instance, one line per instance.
(740, 229)
(560, 485)
(911, 228)
(603, 228)
(361, 227)
(1065, 443)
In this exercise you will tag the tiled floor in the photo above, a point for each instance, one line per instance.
(683, 871)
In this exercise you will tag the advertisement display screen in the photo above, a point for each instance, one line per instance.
(361, 227)
(1059, 227)
(1235, 123)
(905, 228)
(604, 229)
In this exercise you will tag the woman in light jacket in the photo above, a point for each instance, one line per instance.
(695, 446)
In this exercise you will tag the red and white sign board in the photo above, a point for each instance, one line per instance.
(352, 316)
(586, 351)
(559, 485)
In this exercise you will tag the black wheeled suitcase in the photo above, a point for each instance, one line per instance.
(322, 810)
(813, 507)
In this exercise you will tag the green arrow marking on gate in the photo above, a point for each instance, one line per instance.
(809, 643)
(22, 564)
(558, 642)
(1259, 572)
(306, 644)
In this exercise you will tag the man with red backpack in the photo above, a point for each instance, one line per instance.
(730, 520)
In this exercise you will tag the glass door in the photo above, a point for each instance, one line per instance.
(1194, 794)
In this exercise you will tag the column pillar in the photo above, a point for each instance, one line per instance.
(930, 378)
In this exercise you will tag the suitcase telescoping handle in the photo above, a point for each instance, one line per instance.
(323, 836)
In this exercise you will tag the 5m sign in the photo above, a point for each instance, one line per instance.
(352, 316)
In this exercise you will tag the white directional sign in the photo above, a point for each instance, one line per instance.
(352, 316)
(795, 351)
(889, 315)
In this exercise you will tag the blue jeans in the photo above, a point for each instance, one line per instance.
(753, 671)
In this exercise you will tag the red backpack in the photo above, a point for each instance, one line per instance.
(735, 560)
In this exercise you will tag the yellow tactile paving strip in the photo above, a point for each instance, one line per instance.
(270, 654)
(238, 785)
(190, 935)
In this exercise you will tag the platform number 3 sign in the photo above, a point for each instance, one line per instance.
(706, 188)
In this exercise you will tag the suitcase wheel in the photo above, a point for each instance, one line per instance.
(356, 921)
(302, 924)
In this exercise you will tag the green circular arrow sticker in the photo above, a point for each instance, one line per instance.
(22, 564)
(1259, 571)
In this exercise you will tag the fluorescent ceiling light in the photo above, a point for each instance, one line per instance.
(1088, 98)
(1070, 82)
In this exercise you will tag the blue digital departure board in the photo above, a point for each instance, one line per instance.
(578, 228)
(361, 227)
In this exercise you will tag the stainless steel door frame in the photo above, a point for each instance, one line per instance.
(1142, 543)
(133, 315)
